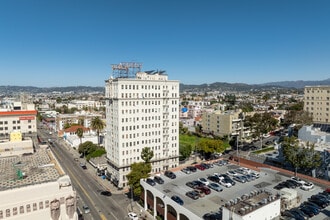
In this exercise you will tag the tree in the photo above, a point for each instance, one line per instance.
(80, 134)
(260, 123)
(98, 125)
(147, 154)
(185, 151)
(299, 118)
(138, 171)
(66, 125)
(87, 148)
(209, 146)
(300, 157)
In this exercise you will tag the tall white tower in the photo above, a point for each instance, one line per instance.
(142, 110)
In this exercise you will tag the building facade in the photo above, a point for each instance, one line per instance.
(18, 120)
(36, 187)
(222, 123)
(141, 111)
(317, 102)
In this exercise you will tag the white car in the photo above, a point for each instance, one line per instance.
(307, 186)
(298, 180)
(133, 216)
(232, 173)
(224, 183)
(204, 180)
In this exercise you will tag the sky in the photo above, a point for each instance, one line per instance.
(48, 43)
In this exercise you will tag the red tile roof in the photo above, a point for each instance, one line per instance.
(19, 112)
(74, 128)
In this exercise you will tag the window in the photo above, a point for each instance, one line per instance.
(34, 206)
(28, 208)
(7, 212)
(15, 211)
(41, 205)
(21, 209)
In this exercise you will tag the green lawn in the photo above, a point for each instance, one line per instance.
(186, 140)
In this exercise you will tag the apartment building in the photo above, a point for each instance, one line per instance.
(142, 110)
(15, 116)
(317, 102)
(78, 118)
(222, 123)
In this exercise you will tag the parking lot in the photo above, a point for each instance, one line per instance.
(211, 203)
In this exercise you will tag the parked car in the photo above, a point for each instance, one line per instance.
(240, 179)
(256, 175)
(248, 177)
(105, 193)
(170, 174)
(186, 170)
(307, 210)
(321, 203)
(200, 193)
(225, 183)
(192, 194)
(177, 199)
(215, 186)
(301, 213)
(307, 186)
(232, 173)
(298, 180)
(150, 181)
(213, 178)
(158, 179)
(191, 184)
(212, 216)
(204, 180)
(205, 165)
(192, 168)
(200, 167)
(204, 189)
(314, 208)
(295, 183)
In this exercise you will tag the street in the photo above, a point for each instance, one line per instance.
(87, 186)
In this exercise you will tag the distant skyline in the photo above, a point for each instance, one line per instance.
(73, 43)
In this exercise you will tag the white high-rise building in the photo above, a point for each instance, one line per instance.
(142, 110)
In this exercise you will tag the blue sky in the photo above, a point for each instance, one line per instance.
(71, 43)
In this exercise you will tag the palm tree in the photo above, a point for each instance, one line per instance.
(80, 133)
(98, 125)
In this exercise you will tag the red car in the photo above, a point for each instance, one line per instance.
(204, 189)
(200, 167)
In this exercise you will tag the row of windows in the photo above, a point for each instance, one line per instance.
(14, 211)
(318, 91)
(317, 103)
(13, 122)
(148, 103)
(317, 98)
(148, 87)
(14, 128)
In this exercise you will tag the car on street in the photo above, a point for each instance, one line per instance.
(86, 209)
(83, 165)
(150, 181)
(158, 179)
(170, 174)
(177, 199)
(105, 193)
(192, 194)
(212, 216)
(307, 186)
(133, 216)
(215, 186)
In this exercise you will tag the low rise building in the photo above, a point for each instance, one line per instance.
(16, 145)
(35, 187)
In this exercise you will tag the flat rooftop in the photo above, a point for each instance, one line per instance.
(19, 171)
